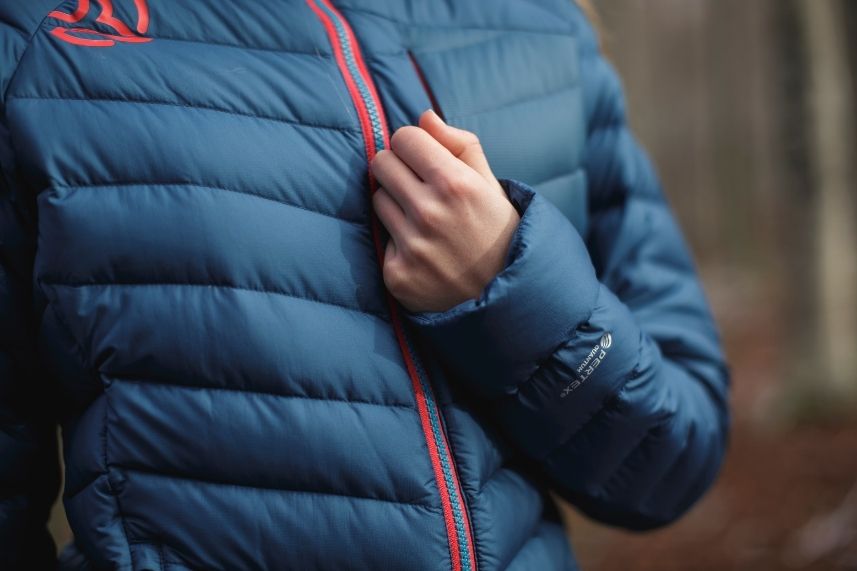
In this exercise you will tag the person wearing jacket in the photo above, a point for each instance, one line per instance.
(287, 317)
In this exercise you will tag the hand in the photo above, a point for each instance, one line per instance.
(450, 221)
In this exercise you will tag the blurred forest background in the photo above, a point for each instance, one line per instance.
(749, 111)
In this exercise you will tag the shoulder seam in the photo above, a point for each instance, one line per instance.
(24, 33)
(24, 54)
(3, 97)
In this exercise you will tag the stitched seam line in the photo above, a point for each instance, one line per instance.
(83, 355)
(500, 466)
(602, 410)
(599, 126)
(26, 50)
(621, 198)
(566, 341)
(531, 536)
(347, 8)
(24, 33)
(651, 433)
(243, 47)
(519, 101)
(569, 337)
(110, 490)
(161, 383)
(498, 37)
(197, 106)
(297, 52)
(213, 285)
(607, 110)
(189, 478)
(602, 489)
(565, 174)
(74, 186)
(69, 494)
(316, 52)
(158, 545)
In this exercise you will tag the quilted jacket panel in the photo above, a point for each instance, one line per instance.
(189, 287)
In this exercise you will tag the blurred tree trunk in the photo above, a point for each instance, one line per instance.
(831, 132)
(751, 124)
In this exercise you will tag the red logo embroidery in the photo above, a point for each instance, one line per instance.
(82, 36)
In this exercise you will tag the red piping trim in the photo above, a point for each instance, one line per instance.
(460, 492)
(434, 453)
(364, 71)
(362, 113)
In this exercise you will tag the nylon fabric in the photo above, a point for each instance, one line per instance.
(190, 287)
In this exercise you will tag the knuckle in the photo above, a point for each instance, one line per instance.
(402, 135)
(394, 275)
(456, 186)
(471, 139)
(473, 144)
(396, 138)
(378, 198)
(380, 157)
(428, 216)
(443, 182)
(472, 181)
(417, 249)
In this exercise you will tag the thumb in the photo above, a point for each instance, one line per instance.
(461, 143)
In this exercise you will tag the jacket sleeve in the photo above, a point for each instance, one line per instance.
(29, 458)
(599, 357)
(29, 464)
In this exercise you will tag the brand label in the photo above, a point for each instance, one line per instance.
(81, 35)
(591, 362)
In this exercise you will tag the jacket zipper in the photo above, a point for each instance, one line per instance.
(376, 137)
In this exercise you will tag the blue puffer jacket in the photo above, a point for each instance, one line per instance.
(190, 287)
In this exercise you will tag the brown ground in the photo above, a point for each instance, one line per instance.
(784, 501)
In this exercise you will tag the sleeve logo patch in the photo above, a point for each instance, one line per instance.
(81, 35)
(586, 367)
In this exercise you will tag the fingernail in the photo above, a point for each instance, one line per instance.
(439, 118)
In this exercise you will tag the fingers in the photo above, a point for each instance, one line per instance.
(420, 151)
(390, 213)
(390, 251)
(461, 143)
(399, 181)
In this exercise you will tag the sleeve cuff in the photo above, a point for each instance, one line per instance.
(546, 289)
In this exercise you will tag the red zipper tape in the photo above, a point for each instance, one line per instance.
(376, 137)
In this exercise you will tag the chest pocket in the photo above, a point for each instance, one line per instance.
(520, 93)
